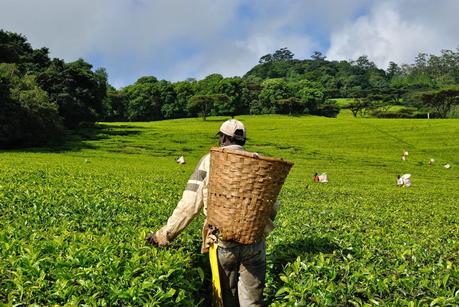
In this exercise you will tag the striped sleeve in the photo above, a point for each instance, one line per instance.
(198, 176)
(190, 204)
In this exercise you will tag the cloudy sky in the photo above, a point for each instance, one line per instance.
(178, 39)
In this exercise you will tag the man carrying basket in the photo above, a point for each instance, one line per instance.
(239, 198)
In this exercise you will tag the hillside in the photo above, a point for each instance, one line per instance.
(74, 218)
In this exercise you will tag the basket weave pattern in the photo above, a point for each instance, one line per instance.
(242, 192)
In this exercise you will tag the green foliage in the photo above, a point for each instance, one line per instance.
(143, 100)
(282, 54)
(184, 91)
(201, 105)
(14, 48)
(403, 112)
(27, 116)
(290, 106)
(443, 101)
(168, 98)
(310, 93)
(328, 109)
(362, 78)
(73, 232)
(273, 89)
(114, 105)
(215, 95)
(223, 105)
(79, 92)
(358, 106)
(209, 85)
(234, 88)
(279, 84)
(76, 89)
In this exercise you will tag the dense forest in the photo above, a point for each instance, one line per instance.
(42, 98)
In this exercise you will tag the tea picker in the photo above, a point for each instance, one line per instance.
(405, 155)
(404, 180)
(180, 160)
(237, 191)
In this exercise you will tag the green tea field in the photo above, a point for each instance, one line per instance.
(73, 219)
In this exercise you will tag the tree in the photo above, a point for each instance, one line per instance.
(358, 105)
(27, 117)
(310, 93)
(209, 85)
(393, 93)
(201, 105)
(76, 89)
(14, 48)
(318, 56)
(147, 80)
(420, 63)
(273, 89)
(143, 100)
(328, 109)
(233, 88)
(360, 101)
(223, 105)
(442, 101)
(290, 106)
(283, 54)
(168, 98)
(364, 63)
(114, 105)
(184, 90)
(267, 58)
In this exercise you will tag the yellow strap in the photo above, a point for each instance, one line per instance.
(216, 289)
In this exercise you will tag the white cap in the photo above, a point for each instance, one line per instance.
(231, 126)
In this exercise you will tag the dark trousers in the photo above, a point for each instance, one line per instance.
(242, 273)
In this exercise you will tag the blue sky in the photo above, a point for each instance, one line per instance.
(179, 39)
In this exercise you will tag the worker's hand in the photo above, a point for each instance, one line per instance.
(154, 238)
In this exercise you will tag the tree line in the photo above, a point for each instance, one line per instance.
(42, 98)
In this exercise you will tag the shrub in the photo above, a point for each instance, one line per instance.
(328, 110)
(27, 117)
(408, 112)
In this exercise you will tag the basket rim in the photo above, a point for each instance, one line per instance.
(249, 155)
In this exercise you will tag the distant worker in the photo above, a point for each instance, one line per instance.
(180, 160)
(431, 161)
(242, 267)
(323, 178)
(447, 166)
(399, 181)
(406, 180)
(404, 155)
(315, 178)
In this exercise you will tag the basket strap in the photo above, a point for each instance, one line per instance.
(216, 288)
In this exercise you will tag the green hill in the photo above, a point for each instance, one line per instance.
(74, 219)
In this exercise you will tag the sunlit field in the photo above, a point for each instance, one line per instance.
(74, 218)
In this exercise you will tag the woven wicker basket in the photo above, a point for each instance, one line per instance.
(242, 190)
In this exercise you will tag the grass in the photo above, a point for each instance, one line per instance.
(74, 218)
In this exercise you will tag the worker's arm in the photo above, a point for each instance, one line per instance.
(187, 208)
(270, 224)
(275, 208)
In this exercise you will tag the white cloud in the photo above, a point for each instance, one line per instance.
(398, 31)
(176, 39)
(172, 39)
(129, 38)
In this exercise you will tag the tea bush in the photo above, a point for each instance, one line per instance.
(73, 219)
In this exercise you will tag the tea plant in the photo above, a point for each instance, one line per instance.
(73, 219)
